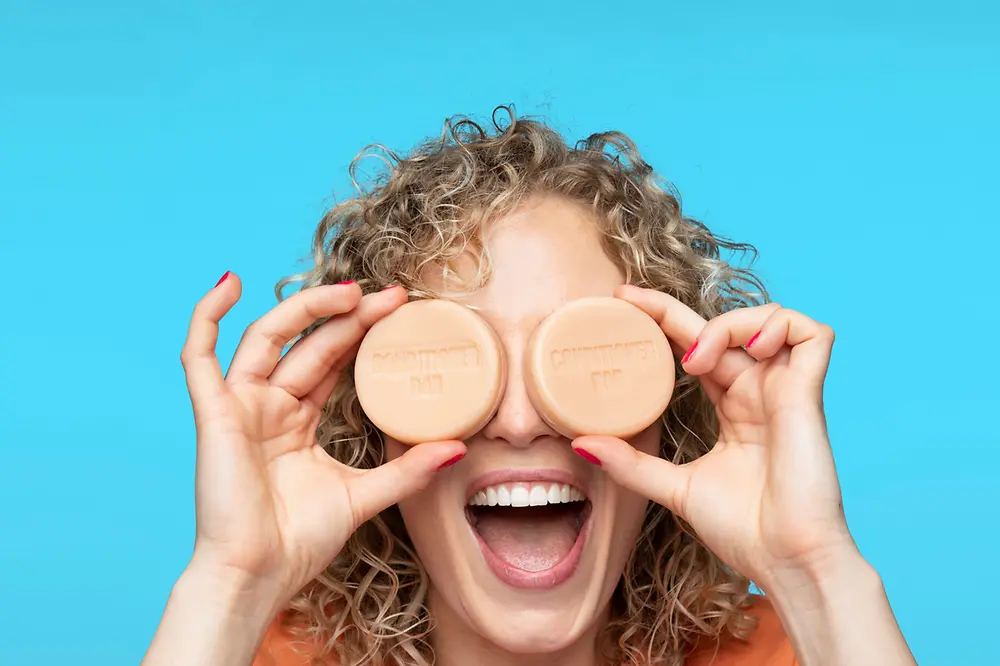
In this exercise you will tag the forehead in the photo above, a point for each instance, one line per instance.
(546, 253)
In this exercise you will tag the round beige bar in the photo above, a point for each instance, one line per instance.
(431, 370)
(599, 366)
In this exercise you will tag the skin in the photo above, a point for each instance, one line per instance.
(544, 256)
(273, 509)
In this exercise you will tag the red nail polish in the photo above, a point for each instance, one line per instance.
(690, 352)
(346, 282)
(588, 456)
(222, 279)
(753, 339)
(451, 461)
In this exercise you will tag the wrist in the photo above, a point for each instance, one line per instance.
(215, 617)
(835, 611)
(823, 575)
(229, 591)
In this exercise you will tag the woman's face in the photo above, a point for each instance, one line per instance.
(536, 578)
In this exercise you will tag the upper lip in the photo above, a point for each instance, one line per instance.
(524, 475)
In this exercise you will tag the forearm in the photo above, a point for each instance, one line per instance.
(211, 619)
(839, 616)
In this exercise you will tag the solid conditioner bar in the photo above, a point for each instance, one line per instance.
(431, 370)
(599, 366)
(434, 370)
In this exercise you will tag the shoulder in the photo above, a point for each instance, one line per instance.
(768, 645)
(281, 647)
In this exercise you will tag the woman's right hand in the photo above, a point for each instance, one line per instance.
(272, 506)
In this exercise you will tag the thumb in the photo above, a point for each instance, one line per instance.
(650, 476)
(377, 489)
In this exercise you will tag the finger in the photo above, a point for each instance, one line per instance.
(682, 325)
(319, 396)
(265, 339)
(376, 490)
(729, 331)
(810, 341)
(713, 390)
(655, 478)
(201, 366)
(311, 359)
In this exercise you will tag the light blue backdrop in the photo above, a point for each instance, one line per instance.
(145, 148)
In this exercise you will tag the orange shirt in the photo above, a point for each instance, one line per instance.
(768, 646)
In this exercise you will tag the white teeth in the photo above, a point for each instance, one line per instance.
(526, 494)
(537, 496)
(519, 496)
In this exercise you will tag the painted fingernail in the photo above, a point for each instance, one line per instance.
(753, 339)
(346, 282)
(587, 455)
(690, 352)
(222, 279)
(451, 461)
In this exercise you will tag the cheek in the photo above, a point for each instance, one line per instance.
(631, 509)
(421, 511)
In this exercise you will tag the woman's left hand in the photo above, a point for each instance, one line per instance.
(766, 498)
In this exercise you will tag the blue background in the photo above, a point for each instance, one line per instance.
(145, 148)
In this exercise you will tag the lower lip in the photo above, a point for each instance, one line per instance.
(547, 579)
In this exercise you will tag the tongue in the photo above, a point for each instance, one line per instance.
(530, 539)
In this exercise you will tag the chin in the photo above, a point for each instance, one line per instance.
(523, 552)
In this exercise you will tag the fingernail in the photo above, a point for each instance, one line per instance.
(753, 339)
(222, 279)
(690, 352)
(346, 282)
(588, 456)
(451, 461)
(391, 286)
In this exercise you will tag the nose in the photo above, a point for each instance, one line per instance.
(516, 421)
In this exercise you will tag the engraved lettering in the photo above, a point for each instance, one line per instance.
(409, 360)
(426, 385)
(425, 366)
(606, 364)
(608, 381)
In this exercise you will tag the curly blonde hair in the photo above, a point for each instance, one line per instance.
(426, 209)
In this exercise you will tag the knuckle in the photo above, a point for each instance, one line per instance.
(248, 333)
(253, 329)
(712, 325)
(198, 312)
(190, 356)
(275, 339)
(781, 318)
(260, 330)
(316, 309)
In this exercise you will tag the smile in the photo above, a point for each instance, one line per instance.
(531, 525)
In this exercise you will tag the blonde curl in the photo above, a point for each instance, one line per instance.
(422, 211)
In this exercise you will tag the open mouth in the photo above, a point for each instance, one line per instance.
(531, 533)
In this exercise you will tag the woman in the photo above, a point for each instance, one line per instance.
(319, 540)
